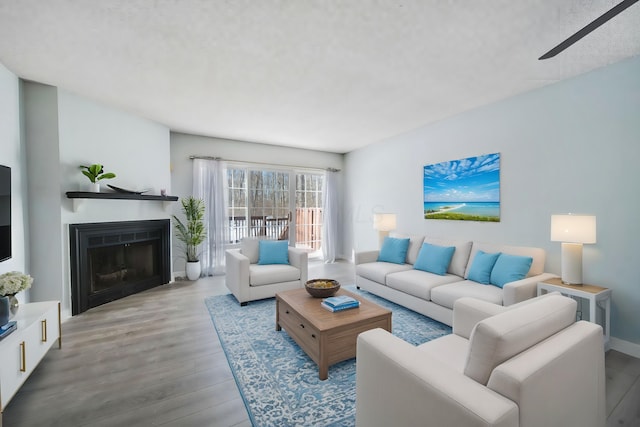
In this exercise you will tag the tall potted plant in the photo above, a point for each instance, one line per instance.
(192, 233)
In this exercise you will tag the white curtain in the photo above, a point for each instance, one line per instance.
(330, 211)
(209, 185)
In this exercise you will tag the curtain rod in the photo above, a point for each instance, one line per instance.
(260, 163)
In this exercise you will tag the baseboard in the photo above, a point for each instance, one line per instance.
(626, 347)
(65, 314)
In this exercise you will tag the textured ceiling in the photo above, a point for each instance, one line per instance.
(319, 74)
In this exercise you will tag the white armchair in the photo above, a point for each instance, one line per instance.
(249, 281)
(527, 365)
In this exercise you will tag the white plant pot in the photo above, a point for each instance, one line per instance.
(193, 270)
(94, 187)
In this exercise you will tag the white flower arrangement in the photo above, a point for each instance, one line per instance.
(14, 282)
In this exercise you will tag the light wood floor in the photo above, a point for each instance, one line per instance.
(155, 359)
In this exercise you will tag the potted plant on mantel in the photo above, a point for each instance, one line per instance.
(95, 173)
(192, 233)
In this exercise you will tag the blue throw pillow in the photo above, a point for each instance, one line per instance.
(394, 250)
(481, 268)
(434, 259)
(509, 268)
(273, 252)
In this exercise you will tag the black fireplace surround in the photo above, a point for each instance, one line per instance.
(110, 260)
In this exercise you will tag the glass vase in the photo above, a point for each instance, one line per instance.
(5, 311)
(14, 305)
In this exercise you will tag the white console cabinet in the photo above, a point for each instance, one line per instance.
(38, 328)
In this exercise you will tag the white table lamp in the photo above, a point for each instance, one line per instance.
(384, 223)
(573, 231)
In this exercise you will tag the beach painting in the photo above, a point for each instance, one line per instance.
(466, 189)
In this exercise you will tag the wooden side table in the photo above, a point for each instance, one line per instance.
(596, 295)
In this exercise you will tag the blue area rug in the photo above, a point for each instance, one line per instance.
(278, 381)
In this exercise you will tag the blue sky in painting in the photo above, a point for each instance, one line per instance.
(474, 179)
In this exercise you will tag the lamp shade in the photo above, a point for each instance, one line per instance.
(384, 221)
(573, 228)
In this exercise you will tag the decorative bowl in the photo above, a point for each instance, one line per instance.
(322, 288)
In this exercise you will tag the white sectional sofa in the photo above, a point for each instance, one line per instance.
(434, 295)
(527, 365)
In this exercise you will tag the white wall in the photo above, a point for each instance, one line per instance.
(63, 131)
(12, 155)
(183, 146)
(568, 147)
(135, 149)
(43, 171)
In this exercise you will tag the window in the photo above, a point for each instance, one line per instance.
(309, 189)
(237, 204)
(261, 202)
(269, 204)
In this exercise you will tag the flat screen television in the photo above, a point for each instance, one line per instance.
(5, 212)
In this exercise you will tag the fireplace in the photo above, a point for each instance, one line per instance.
(110, 260)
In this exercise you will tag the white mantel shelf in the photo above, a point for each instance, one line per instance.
(79, 196)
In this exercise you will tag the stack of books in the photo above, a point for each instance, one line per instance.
(7, 329)
(339, 303)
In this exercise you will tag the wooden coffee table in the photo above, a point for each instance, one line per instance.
(327, 337)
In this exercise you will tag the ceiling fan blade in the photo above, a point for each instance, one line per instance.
(589, 28)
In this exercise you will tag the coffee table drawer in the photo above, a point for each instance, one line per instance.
(343, 343)
(301, 331)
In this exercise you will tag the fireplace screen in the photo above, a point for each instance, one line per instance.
(111, 260)
(116, 265)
